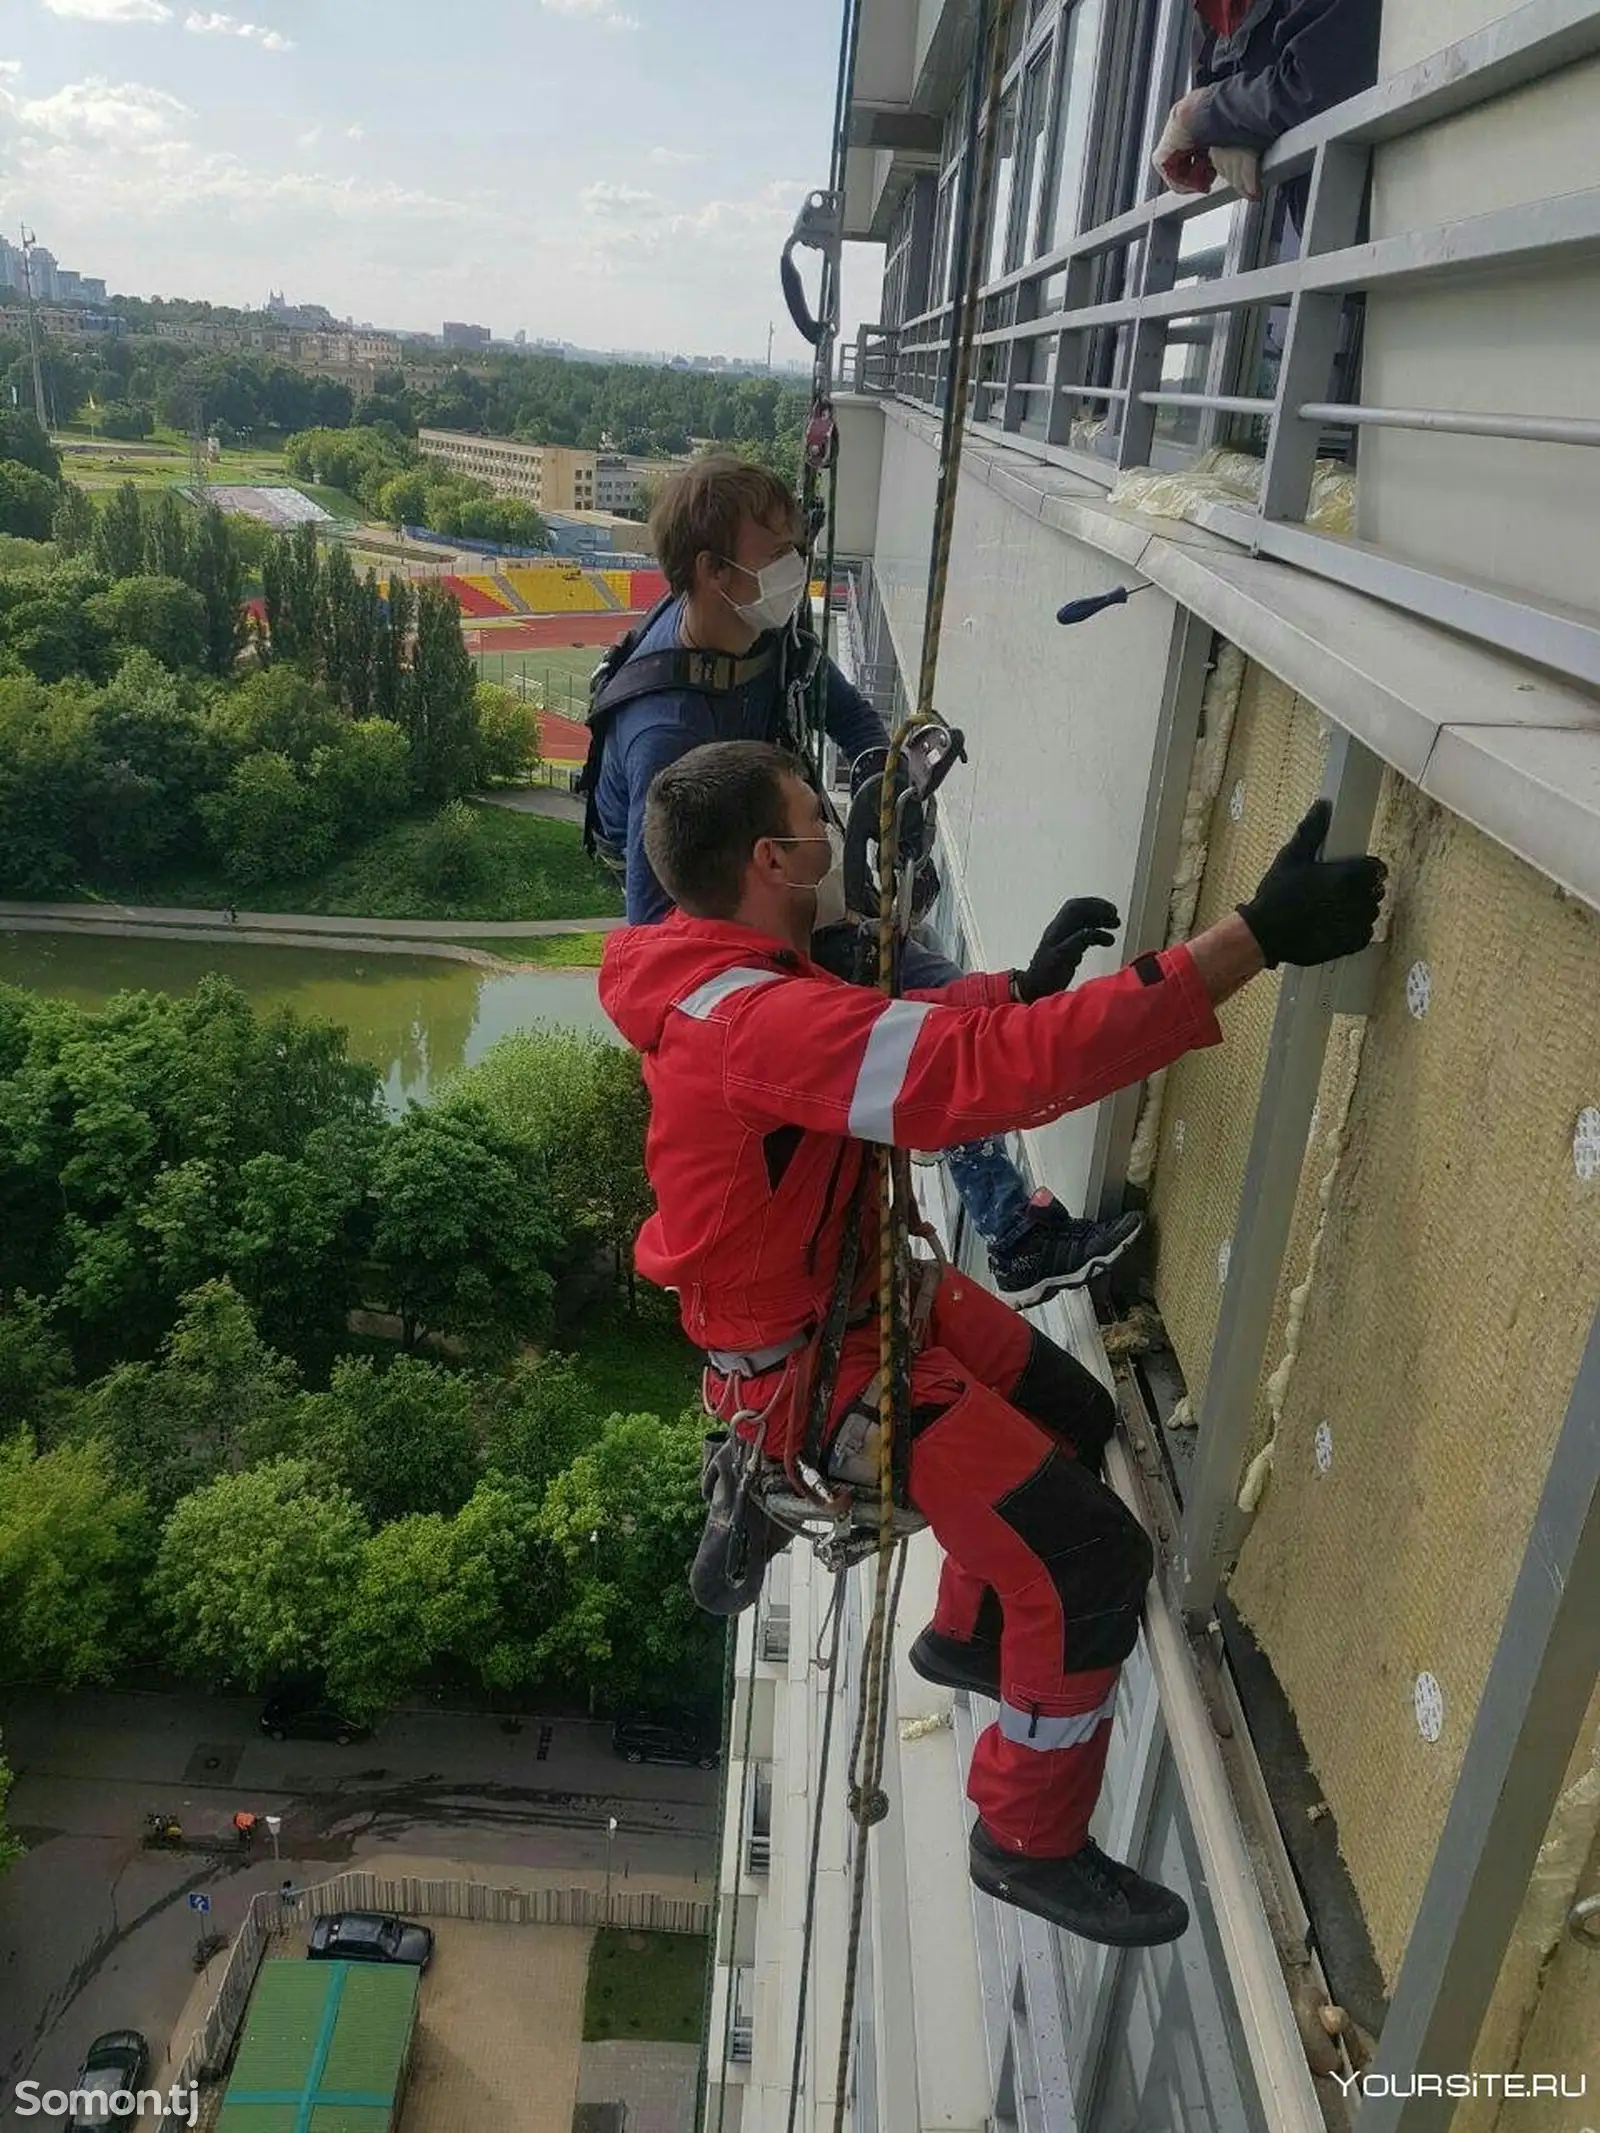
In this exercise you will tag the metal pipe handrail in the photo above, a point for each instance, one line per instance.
(1527, 429)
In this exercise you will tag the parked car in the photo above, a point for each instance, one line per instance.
(640, 1737)
(370, 1937)
(114, 2066)
(306, 1715)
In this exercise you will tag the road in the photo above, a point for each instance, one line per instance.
(96, 1932)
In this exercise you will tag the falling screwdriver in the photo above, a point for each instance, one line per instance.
(1081, 610)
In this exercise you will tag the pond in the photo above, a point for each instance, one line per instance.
(417, 1019)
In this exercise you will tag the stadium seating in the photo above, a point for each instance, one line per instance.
(645, 588)
(479, 600)
(556, 589)
(619, 583)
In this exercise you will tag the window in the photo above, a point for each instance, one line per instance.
(1073, 103)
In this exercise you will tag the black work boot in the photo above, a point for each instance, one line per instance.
(957, 1662)
(1086, 1893)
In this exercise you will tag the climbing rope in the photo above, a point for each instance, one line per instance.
(868, 1803)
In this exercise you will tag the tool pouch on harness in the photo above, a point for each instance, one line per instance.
(739, 1539)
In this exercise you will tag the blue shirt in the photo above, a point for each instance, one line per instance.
(655, 730)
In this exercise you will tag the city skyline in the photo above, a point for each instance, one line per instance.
(573, 188)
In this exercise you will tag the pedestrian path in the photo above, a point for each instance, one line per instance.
(100, 918)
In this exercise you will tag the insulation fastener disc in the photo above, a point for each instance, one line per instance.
(1586, 1144)
(1322, 1447)
(1224, 1255)
(1419, 989)
(1180, 1134)
(1428, 1701)
(1236, 802)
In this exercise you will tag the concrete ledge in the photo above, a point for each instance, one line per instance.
(1507, 746)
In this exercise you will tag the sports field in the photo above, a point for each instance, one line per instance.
(556, 675)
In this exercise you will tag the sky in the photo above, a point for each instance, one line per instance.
(616, 173)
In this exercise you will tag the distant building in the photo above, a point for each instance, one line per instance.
(599, 536)
(457, 334)
(551, 477)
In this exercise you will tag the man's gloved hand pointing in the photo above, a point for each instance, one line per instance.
(1311, 910)
(1082, 923)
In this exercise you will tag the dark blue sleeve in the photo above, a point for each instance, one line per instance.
(649, 750)
(1308, 56)
(849, 720)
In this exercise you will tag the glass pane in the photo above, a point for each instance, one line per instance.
(939, 268)
(1004, 173)
(1031, 158)
(1183, 369)
(1203, 245)
(1072, 127)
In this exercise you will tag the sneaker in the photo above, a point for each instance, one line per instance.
(957, 1662)
(1086, 1893)
(1057, 1251)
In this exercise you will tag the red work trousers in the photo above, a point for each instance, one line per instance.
(1007, 1431)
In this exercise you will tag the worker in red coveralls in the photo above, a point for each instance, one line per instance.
(767, 1078)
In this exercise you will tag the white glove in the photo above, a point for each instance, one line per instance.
(1240, 168)
(1182, 166)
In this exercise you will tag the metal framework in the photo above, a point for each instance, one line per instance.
(1041, 325)
(1540, 1681)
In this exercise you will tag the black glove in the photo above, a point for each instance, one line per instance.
(1311, 910)
(1082, 923)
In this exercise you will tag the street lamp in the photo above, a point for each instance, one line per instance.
(594, 1573)
(611, 1831)
(274, 1825)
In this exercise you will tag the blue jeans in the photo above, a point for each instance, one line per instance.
(991, 1186)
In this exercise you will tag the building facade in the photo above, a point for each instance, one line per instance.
(551, 477)
(1343, 441)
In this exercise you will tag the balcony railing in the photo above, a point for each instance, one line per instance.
(1033, 378)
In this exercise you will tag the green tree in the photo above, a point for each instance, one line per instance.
(72, 528)
(162, 616)
(153, 760)
(403, 1440)
(35, 1368)
(297, 1237)
(265, 825)
(463, 1244)
(507, 735)
(623, 1519)
(27, 502)
(119, 419)
(73, 1542)
(119, 534)
(217, 1396)
(281, 709)
(22, 439)
(452, 864)
(169, 538)
(218, 577)
(578, 1105)
(541, 1416)
(47, 761)
(363, 779)
(252, 1579)
(439, 701)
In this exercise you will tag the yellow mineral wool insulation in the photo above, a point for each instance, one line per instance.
(1225, 475)
(929, 1722)
(1438, 1345)
(1348, 1038)
(1273, 773)
(1218, 707)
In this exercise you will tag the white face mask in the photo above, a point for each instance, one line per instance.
(829, 891)
(780, 585)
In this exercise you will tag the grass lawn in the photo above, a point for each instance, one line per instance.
(168, 466)
(655, 1991)
(532, 867)
(555, 951)
(638, 1363)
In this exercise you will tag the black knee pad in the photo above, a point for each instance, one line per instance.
(1098, 1556)
(1056, 1391)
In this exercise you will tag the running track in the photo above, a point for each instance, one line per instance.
(544, 633)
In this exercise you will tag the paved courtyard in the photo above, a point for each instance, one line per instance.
(499, 2034)
(655, 2081)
